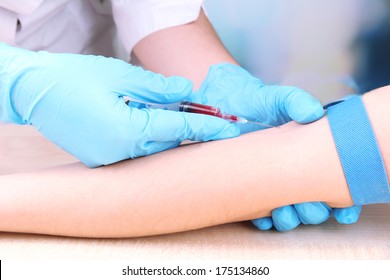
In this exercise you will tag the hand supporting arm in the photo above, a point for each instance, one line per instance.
(189, 50)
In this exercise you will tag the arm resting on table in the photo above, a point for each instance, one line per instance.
(190, 187)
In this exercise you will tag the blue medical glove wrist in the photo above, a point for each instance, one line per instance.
(76, 101)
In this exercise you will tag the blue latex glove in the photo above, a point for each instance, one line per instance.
(289, 217)
(76, 102)
(235, 91)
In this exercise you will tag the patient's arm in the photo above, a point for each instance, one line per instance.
(190, 187)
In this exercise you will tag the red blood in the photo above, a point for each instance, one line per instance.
(192, 107)
(231, 118)
(197, 108)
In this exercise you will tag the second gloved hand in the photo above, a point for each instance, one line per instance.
(236, 91)
(76, 102)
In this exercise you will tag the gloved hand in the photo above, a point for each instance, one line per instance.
(235, 91)
(76, 102)
(290, 216)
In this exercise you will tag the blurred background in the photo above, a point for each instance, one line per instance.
(330, 48)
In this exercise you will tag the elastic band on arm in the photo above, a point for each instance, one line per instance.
(359, 152)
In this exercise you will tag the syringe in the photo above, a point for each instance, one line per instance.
(192, 107)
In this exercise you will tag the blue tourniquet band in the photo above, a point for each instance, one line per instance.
(359, 152)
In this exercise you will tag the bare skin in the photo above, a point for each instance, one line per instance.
(194, 186)
(187, 50)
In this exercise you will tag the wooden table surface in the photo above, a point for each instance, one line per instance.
(23, 149)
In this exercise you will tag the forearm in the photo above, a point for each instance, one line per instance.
(188, 50)
(190, 187)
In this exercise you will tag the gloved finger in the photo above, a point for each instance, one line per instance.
(147, 86)
(263, 223)
(313, 213)
(167, 128)
(285, 218)
(348, 215)
(292, 103)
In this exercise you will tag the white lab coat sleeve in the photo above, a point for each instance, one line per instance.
(136, 19)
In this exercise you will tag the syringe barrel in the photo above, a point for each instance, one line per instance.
(186, 106)
(170, 106)
(192, 107)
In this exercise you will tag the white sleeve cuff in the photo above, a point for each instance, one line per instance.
(136, 19)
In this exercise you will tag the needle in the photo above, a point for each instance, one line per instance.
(263, 124)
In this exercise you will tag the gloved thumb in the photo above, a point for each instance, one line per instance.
(143, 85)
(295, 103)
